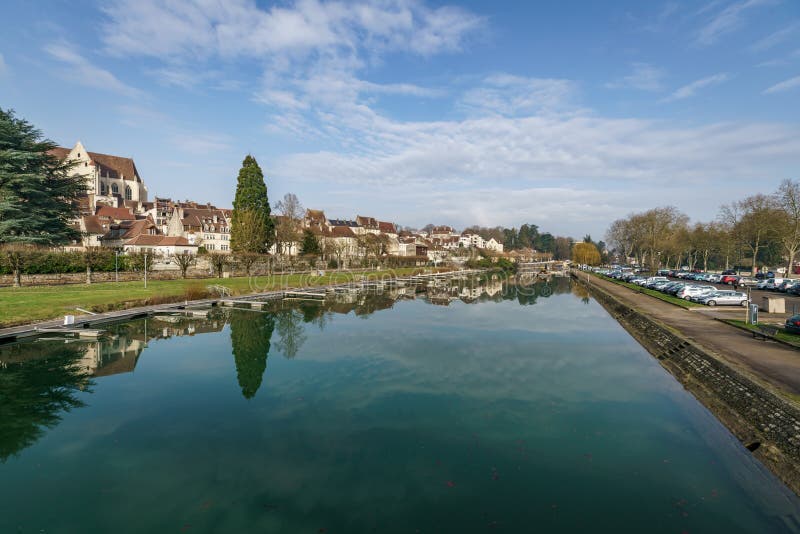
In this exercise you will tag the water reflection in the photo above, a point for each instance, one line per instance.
(250, 342)
(36, 389)
(39, 379)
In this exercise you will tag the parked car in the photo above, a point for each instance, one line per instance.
(653, 279)
(725, 298)
(773, 283)
(729, 271)
(728, 279)
(747, 281)
(694, 291)
(793, 324)
(714, 278)
(787, 284)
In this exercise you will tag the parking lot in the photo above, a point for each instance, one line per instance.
(757, 295)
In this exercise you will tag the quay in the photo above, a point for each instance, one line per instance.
(85, 325)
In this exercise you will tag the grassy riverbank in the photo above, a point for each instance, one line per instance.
(653, 293)
(781, 334)
(37, 303)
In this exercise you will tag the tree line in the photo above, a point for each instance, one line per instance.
(756, 231)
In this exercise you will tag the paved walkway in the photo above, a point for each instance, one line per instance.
(767, 361)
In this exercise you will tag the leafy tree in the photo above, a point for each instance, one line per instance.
(38, 194)
(310, 245)
(250, 343)
(252, 228)
(585, 253)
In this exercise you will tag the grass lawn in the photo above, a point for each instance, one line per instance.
(653, 293)
(781, 334)
(36, 303)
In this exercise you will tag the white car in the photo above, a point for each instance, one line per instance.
(693, 292)
(725, 298)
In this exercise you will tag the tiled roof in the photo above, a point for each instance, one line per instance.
(367, 222)
(342, 231)
(387, 227)
(93, 225)
(119, 165)
(117, 214)
(59, 152)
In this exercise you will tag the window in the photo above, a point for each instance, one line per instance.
(128, 193)
(224, 247)
(103, 188)
(115, 189)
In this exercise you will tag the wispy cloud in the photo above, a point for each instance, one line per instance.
(80, 70)
(691, 89)
(644, 77)
(728, 20)
(774, 39)
(508, 95)
(786, 85)
(241, 28)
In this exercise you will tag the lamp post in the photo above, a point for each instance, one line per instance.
(116, 265)
(145, 270)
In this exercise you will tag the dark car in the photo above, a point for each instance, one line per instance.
(793, 324)
(729, 271)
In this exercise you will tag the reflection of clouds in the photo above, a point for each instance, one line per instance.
(362, 430)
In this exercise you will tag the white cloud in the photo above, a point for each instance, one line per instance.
(240, 28)
(786, 85)
(728, 20)
(508, 95)
(80, 70)
(691, 89)
(644, 77)
(775, 38)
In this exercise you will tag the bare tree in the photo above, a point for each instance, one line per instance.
(288, 224)
(753, 222)
(218, 262)
(788, 200)
(184, 261)
(247, 260)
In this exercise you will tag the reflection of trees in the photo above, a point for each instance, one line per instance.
(250, 342)
(35, 391)
(291, 335)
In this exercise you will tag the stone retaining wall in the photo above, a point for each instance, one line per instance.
(80, 278)
(761, 420)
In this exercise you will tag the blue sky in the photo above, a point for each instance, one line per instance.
(566, 114)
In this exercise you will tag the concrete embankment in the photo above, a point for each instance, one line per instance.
(763, 421)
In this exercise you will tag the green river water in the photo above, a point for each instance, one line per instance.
(476, 409)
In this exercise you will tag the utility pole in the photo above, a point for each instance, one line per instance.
(145, 270)
(116, 265)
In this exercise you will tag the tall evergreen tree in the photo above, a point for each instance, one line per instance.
(252, 228)
(38, 195)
